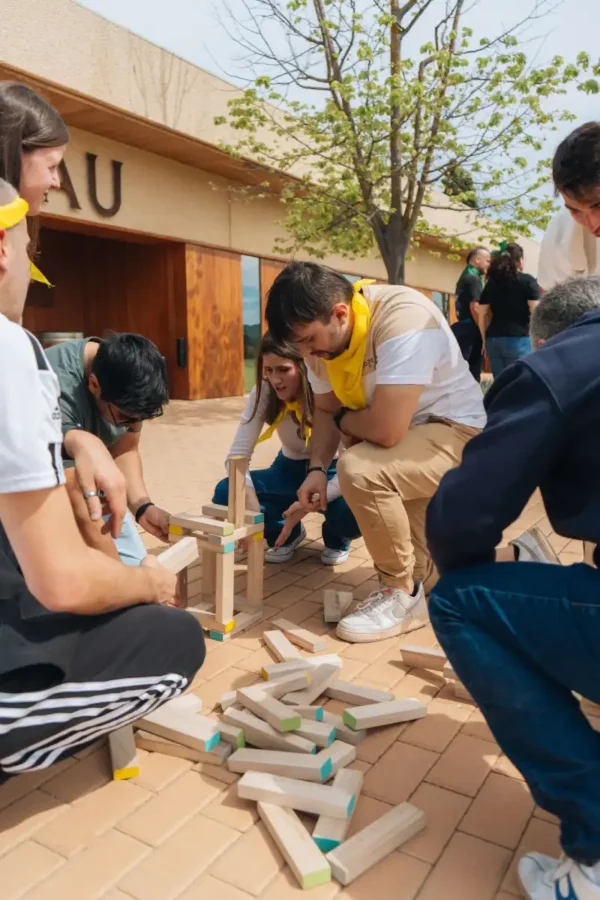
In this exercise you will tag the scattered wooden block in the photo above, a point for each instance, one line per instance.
(278, 670)
(369, 846)
(154, 744)
(260, 734)
(179, 555)
(329, 833)
(300, 636)
(185, 703)
(281, 687)
(228, 699)
(390, 713)
(197, 732)
(356, 694)
(233, 735)
(340, 754)
(318, 799)
(423, 657)
(321, 733)
(304, 766)
(320, 678)
(336, 604)
(123, 755)
(309, 712)
(342, 732)
(297, 848)
(280, 647)
(279, 716)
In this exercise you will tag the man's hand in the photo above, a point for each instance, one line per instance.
(312, 493)
(156, 522)
(97, 472)
(292, 516)
(163, 586)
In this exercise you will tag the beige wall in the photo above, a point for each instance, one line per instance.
(172, 200)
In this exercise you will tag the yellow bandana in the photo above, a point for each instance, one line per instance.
(345, 371)
(10, 215)
(294, 407)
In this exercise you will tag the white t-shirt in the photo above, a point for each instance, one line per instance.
(567, 249)
(292, 445)
(410, 342)
(30, 424)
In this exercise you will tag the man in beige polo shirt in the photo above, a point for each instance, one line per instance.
(388, 374)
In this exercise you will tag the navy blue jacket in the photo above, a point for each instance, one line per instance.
(543, 431)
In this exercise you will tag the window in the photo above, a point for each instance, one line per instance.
(251, 317)
(442, 301)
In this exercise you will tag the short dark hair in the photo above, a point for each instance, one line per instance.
(302, 293)
(576, 163)
(473, 253)
(132, 374)
(504, 266)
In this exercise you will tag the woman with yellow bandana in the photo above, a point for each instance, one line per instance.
(282, 401)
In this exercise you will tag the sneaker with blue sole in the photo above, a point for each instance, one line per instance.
(544, 878)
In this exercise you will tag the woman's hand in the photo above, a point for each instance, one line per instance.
(292, 516)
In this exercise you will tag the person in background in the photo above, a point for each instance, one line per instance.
(468, 291)
(505, 308)
(282, 400)
(524, 638)
(108, 388)
(86, 644)
(571, 244)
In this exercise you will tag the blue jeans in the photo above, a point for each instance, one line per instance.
(129, 544)
(276, 489)
(522, 637)
(504, 351)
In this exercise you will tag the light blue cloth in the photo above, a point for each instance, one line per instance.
(129, 544)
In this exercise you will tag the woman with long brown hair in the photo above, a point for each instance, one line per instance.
(282, 400)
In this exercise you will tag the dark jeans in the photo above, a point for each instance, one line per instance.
(522, 637)
(276, 489)
(504, 351)
(469, 340)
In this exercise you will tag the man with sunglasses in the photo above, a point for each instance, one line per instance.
(108, 388)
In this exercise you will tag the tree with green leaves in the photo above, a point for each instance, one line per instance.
(459, 183)
(369, 126)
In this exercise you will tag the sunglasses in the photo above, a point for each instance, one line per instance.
(124, 421)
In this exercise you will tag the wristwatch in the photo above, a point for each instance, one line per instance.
(339, 415)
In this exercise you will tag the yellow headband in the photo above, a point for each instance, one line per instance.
(10, 215)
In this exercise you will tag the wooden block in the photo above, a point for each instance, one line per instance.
(342, 732)
(423, 657)
(224, 592)
(300, 636)
(214, 511)
(194, 522)
(305, 766)
(233, 735)
(278, 670)
(179, 555)
(279, 716)
(208, 621)
(321, 733)
(368, 847)
(356, 694)
(236, 508)
(296, 846)
(336, 604)
(282, 649)
(154, 744)
(260, 734)
(321, 677)
(329, 833)
(228, 700)
(123, 755)
(390, 713)
(340, 754)
(209, 575)
(318, 799)
(255, 569)
(243, 621)
(310, 712)
(283, 686)
(185, 703)
(197, 732)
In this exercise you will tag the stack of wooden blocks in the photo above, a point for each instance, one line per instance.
(217, 529)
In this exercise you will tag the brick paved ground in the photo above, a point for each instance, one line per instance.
(179, 831)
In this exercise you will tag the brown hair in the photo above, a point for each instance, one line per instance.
(505, 264)
(268, 344)
(27, 123)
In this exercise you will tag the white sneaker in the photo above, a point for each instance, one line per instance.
(331, 557)
(285, 553)
(384, 614)
(534, 546)
(544, 878)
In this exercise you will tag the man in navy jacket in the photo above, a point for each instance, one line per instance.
(523, 638)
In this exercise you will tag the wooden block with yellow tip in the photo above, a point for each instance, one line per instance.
(123, 753)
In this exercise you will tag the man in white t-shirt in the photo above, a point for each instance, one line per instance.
(571, 244)
(87, 644)
(388, 374)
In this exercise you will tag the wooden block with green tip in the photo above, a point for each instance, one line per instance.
(233, 735)
(368, 847)
(310, 712)
(280, 717)
(340, 754)
(300, 636)
(123, 754)
(329, 833)
(423, 657)
(317, 799)
(356, 694)
(321, 733)
(305, 766)
(342, 732)
(389, 713)
(197, 732)
(260, 734)
(304, 858)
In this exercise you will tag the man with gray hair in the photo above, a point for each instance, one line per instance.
(524, 639)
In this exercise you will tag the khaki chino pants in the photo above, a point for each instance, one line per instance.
(388, 490)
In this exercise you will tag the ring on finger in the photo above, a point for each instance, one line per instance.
(89, 494)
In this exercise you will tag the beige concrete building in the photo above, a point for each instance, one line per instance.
(146, 234)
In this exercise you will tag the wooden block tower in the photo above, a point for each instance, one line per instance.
(217, 529)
